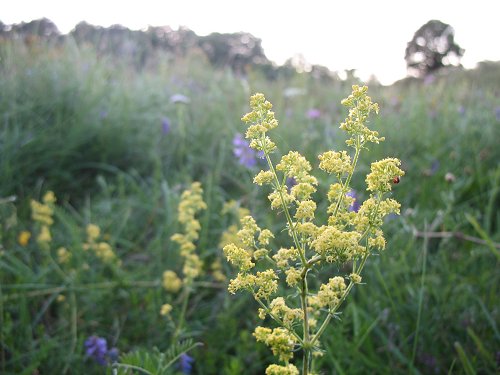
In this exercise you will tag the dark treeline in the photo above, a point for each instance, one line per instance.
(237, 51)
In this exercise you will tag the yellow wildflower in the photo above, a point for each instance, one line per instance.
(171, 282)
(23, 238)
(166, 309)
(44, 236)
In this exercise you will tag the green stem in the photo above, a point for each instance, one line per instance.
(285, 209)
(351, 173)
(74, 332)
(278, 320)
(178, 328)
(306, 338)
(336, 307)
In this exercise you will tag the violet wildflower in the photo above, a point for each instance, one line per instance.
(246, 156)
(354, 207)
(497, 113)
(290, 183)
(165, 125)
(96, 348)
(313, 114)
(113, 354)
(186, 363)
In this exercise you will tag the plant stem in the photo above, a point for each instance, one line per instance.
(180, 323)
(285, 208)
(342, 299)
(306, 338)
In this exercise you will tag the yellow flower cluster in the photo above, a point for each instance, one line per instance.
(330, 294)
(288, 315)
(42, 213)
(166, 308)
(261, 285)
(171, 282)
(280, 340)
(382, 174)
(360, 106)
(347, 236)
(335, 245)
(23, 238)
(288, 369)
(261, 120)
(191, 203)
(338, 163)
(102, 249)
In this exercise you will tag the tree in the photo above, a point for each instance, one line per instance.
(432, 47)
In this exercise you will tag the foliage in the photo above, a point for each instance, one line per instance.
(92, 129)
(432, 47)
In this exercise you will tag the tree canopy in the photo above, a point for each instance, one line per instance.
(432, 47)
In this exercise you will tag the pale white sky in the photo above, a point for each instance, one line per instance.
(367, 35)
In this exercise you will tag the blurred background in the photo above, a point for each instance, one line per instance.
(117, 108)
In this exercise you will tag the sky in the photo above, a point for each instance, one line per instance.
(367, 35)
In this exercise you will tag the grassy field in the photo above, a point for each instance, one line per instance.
(117, 145)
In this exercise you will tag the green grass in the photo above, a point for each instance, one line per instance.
(91, 129)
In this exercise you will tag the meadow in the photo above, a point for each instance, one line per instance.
(117, 145)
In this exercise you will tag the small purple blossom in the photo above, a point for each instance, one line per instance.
(246, 155)
(165, 125)
(96, 348)
(461, 110)
(290, 183)
(354, 207)
(313, 114)
(186, 363)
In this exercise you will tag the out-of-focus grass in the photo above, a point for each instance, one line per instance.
(92, 130)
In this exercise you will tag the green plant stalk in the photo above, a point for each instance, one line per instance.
(74, 332)
(420, 301)
(278, 320)
(331, 313)
(285, 208)
(182, 316)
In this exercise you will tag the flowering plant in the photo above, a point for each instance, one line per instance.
(348, 236)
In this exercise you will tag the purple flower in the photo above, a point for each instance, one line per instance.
(246, 155)
(497, 113)
(186, 363)
(97, 349)
(113, 354)
(290, 183)
(313, 113)
(354, 207)
(165, 125)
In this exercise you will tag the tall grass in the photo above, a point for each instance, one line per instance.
(91, 129)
